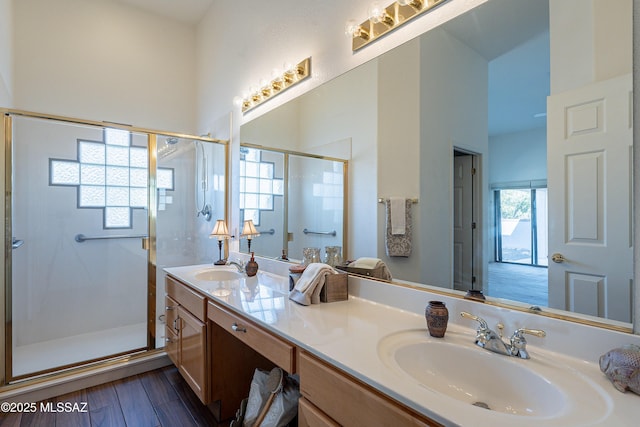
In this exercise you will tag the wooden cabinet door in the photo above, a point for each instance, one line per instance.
(310, 416)
(350, 402)
(171, 331)
(193, 353)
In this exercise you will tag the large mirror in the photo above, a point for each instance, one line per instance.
(510, 129)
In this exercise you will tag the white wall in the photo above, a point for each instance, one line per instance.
(398, 172)
(6, 53)
(459, 85)
(520, 156)
(102, 60)
(238, 47)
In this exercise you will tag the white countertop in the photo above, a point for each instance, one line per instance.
(347, 334)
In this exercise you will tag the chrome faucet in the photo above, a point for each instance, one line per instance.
(238, 264)
(492, 341)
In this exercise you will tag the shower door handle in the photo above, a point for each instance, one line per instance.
(16, 243)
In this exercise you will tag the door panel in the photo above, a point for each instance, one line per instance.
(76, 299)
(589, 145)
(462, 222)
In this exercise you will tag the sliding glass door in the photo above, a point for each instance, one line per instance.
(521, 226)
(78, 271)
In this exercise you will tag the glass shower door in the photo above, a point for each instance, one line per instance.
(78, 216)
(316, 204)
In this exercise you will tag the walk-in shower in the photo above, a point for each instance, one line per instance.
(95, 213)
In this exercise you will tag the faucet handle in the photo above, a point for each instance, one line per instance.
(519, 344)
(537, 332)
(483, 324)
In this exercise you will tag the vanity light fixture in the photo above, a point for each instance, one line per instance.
(249, 231)
(221, 233)
(281, 81)
(385, 19)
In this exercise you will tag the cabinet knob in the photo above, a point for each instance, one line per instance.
(237, 328)
(169, 340)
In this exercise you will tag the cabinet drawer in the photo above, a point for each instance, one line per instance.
(171, 329)
(276, 350)
(192, 301)
(310, 416)
(350, 402)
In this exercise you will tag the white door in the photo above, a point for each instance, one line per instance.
(589, 180)
(462, 222)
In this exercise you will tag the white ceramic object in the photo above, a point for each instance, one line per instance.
(218, 275)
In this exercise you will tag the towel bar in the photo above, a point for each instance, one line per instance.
(329, 233)
(82, 238)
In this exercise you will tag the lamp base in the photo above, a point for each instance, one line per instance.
(220, 262)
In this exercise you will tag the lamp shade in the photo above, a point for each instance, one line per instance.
(220, 230)
(249, 230)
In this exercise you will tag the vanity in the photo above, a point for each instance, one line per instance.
(370, 359)
(221, 325)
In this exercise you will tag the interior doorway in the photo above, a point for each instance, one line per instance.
(465, 220)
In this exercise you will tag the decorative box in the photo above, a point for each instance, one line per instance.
(335, 288)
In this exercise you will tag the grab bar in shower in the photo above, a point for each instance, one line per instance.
(269, 231)
(327, 233)
(81, 237)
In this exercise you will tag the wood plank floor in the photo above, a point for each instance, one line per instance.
(155, 398)
(518, 282)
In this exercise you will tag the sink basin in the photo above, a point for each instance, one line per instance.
(217, 275)
(455, 367)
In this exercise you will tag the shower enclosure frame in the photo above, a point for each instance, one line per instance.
(149, 243)
(287, 154)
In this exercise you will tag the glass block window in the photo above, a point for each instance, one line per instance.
(111, 175)
(330, 190)
(258, 184)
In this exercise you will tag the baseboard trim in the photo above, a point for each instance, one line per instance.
(35, 391)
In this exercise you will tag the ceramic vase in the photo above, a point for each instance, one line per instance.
(252, 267)
(437, 317)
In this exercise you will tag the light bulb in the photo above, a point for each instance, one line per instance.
(237, 101)
(351, 28)
(375, 12)
(378, 14)
(416, 4)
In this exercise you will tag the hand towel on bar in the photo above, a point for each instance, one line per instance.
(398, 245)
(398, 208)
(311, 279)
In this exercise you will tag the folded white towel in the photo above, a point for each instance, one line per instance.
(398, 215)
(373, 263)
(311, 283)
(365, 262)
